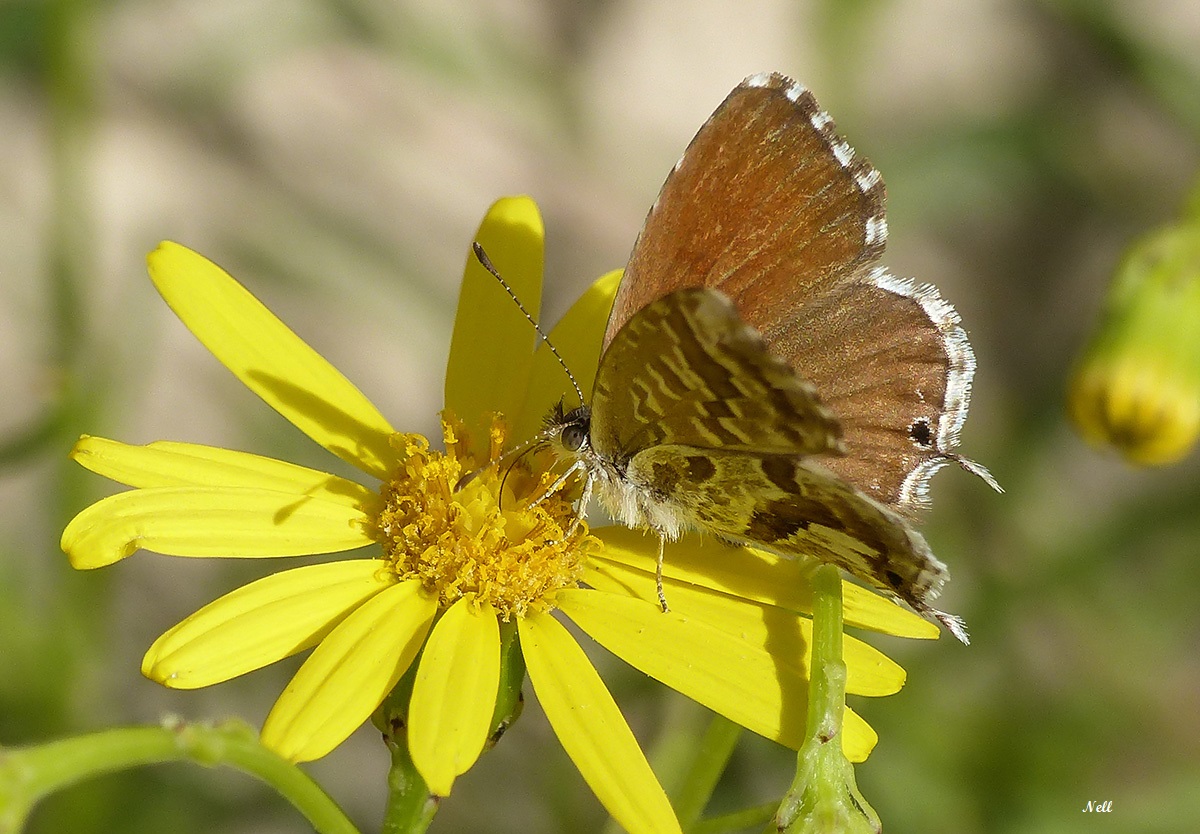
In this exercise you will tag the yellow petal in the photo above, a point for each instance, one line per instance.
(591, 728)
(766, 692)
(787, 635)
(270, 359)
(169, 464)
(454, 694)
(754, 575)
(349, 673)
(492, 349)
(261, 623)
(578, 337)
(209, 521)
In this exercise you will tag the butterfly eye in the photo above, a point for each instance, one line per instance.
(573, 436)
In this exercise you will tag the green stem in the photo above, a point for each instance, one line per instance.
(1191, 207)
(824, 797)
(754, 817)
(509, 700)
(69, 60)
(712, 757)
(69, 51)
(827, 693)
(28, 774)
(410, 806)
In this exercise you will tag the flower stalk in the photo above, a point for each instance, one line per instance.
(410, 805)
(29, 774)
(824, 798)
(712, 755)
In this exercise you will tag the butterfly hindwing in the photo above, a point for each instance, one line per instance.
(785, 504)
(686, 370)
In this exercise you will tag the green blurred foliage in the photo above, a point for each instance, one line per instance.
(336, 155)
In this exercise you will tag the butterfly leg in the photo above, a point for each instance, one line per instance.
(585, 497)
(581, 511)
(558, 483)
(658, 574)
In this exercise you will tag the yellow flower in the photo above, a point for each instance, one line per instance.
(1137, 387)
(452, 564)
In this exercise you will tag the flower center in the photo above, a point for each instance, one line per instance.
(461, 543)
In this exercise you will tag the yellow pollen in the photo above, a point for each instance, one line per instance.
(462, 543)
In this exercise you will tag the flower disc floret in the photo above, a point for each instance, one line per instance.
(491, 539)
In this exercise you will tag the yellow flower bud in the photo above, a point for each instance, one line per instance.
(1137, 386)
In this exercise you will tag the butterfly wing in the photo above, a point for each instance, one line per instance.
(772, 207)
(702, 426)
(686, 370)
(788, 505)
(767, 204)
(892, 362)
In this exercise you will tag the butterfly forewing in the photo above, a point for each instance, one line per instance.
(891, 361)
(687, 370)
(767, 204)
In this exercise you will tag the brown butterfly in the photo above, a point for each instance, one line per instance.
(761, 380)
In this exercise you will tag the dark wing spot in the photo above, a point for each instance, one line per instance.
(780, 519)
(920, 432)
(700, 468)
(781, 471)
(664, 478)
(893, 578)
(776, 521)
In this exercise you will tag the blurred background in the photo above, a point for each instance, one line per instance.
(336, 156)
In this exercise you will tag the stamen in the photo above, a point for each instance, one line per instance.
(453, 535)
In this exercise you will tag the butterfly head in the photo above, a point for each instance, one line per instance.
(570, 430)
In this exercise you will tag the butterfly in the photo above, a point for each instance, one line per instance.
(761, 379)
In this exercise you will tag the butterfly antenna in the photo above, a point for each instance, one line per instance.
(487, 264)
(519, 449)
